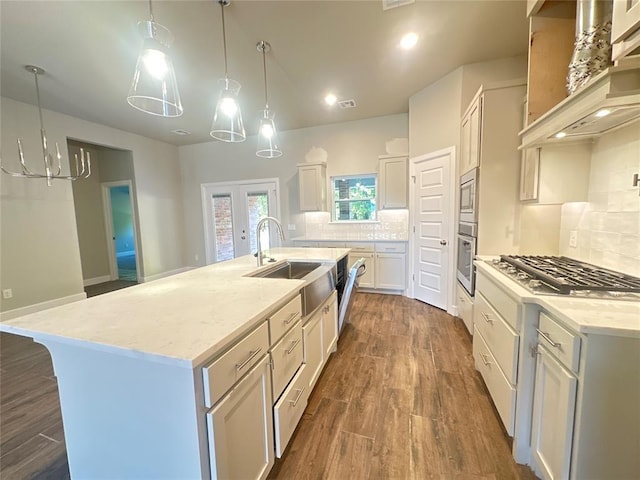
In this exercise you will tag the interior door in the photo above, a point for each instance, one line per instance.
(232, 212)
(432, 220)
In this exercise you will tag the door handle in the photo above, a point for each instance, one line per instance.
(443, 242)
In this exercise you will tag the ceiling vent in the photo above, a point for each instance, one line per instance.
(389, 4)
(347, 103)
(181, 132)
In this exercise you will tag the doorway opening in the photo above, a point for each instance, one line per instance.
(232, 211)
(118, 207)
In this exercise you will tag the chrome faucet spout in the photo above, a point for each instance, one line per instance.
(262, 221)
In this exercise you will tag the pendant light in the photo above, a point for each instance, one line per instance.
(227, 120)
(267, 135)
(154, 88)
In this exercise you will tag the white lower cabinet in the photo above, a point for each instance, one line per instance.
(391, 271)
(329, 327)
(312, 335)
(553, 413)
(367, 280)
(465, 307)
(288, 411)
(286, 358)
(240, 428)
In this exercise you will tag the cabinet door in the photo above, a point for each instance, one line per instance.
(329, 327)
(552, 423)
(464, 146)
(626, 19)
(240, 428)
(390, 271)
(368, 279)
(313, 352)
(312, 187)
(529, 169)
(393, 183)
(475, 134)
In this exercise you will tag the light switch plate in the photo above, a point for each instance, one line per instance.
(291, 227)
(7, 293)
(573, 238)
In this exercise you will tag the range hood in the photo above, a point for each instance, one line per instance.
(610, 100)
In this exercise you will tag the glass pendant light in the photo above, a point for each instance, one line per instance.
(227, 120)
(154, 88)
(267, 134)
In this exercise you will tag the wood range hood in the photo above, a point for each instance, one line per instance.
(610, 100)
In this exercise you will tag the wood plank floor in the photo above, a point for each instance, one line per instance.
(399, 400)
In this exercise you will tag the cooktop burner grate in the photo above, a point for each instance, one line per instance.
(566, 275)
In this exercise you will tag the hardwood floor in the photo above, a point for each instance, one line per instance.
(400, 399)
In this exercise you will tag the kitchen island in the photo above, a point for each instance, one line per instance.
(130, 363)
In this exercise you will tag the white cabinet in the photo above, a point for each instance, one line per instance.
(391, 266)
(312, 183)
(471, 136)
(329, 327)
(553, 412)
(625, 29)
(313, 354)
(529, 168)
(393, 180)
(240, 428)
(465, 307)
(367, 280)
(288, 411)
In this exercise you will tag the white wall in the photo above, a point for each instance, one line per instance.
(608, 225)
(351, 147)
(39, 255)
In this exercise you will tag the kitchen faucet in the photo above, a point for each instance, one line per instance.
(262, 221)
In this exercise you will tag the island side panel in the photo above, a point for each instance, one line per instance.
(125, 417)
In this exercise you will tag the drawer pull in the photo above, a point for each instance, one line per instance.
(548, 338)
(291, 318)
(487, 317)
(294, 345)
(484, 359)
(252, 354)
(295, 402)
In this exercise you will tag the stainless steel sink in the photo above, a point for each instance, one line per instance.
(320, 278)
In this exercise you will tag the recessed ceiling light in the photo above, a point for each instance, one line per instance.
(331, 99)
(409, 41)
(561, 135)
(603, 113)
(180, 132)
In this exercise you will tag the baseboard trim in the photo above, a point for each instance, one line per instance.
(37, 307)
(158, 276)
(87, 282)
(125, 254)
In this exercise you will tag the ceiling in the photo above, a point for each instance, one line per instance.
(89, 51)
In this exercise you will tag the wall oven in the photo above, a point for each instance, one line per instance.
(467, 230)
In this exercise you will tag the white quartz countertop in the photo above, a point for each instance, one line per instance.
(583, 315)
(184, 319)
(350, 238)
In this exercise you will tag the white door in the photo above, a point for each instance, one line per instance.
(231, 214)
(432, 222)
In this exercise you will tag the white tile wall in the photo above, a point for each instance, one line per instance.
(391, 225)
(608, 225)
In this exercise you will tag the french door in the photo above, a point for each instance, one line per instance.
(231, 214)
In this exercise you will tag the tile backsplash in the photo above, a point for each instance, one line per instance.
(607, 227)
(391, 225)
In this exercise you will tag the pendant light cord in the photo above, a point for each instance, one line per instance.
(224, 40)
(264, 69)
(35, 74)
(151, 12)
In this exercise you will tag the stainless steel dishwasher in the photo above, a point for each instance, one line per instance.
(356, 271)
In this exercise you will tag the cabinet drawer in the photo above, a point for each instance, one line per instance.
(331, 244)
(506, 306)
(501, 339)
(289, 409)
(502, 393)
(465, 307)
(561, 342)
(391, 247)
(283, 319)
(220, 375)
(287, 357)
(357, 247)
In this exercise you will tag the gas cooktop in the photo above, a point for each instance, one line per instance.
(550, 275)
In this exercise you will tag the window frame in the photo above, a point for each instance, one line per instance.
(334, 202)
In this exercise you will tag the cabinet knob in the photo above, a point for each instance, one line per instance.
(443, 242)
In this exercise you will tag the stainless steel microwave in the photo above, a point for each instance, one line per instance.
(469, 196)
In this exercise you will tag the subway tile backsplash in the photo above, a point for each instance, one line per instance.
(391, 225)
(608, 225)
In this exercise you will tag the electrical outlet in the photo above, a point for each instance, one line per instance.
(7, 293)
(573, 238)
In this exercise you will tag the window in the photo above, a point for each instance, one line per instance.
(354, 198)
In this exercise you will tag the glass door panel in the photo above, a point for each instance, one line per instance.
(223, 227)
(257, 208)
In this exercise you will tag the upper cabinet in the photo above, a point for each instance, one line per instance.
(610, 99)
(312, 179)
(393, 180)
(625, 29)
(470, 136)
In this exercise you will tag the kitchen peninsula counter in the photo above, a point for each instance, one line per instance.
(182, 319)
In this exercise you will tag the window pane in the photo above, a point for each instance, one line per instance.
(258, 207)
(354, 198)
(223, 227)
